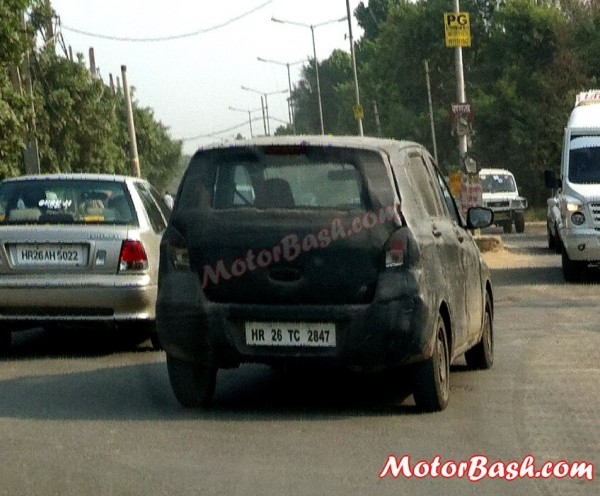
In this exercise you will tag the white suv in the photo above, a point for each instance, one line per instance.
(500, 193)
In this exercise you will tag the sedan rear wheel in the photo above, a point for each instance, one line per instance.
(432, 377)
(481, 356)
(193, 383)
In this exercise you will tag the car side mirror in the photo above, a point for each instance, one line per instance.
(479, 217)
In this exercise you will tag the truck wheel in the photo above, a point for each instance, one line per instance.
(520, 223)
(507, 227)
(431, 382)
(572, 269)
(193, 383)
(481, 356)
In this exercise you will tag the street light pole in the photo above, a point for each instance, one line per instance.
(312, 31)
(265, 105)
(287, 64)
(249, 111)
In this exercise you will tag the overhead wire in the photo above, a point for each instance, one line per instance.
(172, 37)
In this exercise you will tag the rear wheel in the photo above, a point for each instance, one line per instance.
(507, 227)
(5, 342)
(572, 269)
(431, 388)
(193, 383)
(520, 223)
(481, 356)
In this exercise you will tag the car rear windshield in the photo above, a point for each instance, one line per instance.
(65, 201)
(287, 177)
(497, 183)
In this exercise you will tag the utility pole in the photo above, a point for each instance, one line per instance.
(49, 28)
(135, 161)
(435, 156)
(92, 62)
(21, 77)
(358, 111)
(460, 93)
(377, 121)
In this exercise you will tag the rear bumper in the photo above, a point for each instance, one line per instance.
(395, 329)
(98, 298)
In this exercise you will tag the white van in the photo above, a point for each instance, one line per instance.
(579, 197)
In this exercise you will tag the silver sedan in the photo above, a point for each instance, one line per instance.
(79, 248)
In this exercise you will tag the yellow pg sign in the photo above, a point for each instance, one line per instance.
(457, 28)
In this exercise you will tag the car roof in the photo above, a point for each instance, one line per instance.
(366, 143)
(495, 171)
(73, 176)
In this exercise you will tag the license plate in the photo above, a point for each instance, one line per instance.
(306, 334)
(49, 254)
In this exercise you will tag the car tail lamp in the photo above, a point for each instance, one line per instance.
(176, 250)
(133, 257)
(396, 247)
(179, 256)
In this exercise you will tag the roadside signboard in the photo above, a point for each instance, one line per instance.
(457, 28)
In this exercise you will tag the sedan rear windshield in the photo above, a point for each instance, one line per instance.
(65, 201)
(287, 178)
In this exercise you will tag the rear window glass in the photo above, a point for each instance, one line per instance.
(65, 201)
(278, 179)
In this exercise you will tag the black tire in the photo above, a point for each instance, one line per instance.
(520, 223)
(572, 269)
(551, 239)
(193, 383)
(507, 227)
(557, 242)
(481, 356)
(5, 342)
(431, 382)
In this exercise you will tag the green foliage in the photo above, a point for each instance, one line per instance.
(526, 63)
(80, 126)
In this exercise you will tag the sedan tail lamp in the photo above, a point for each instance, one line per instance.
(133, 257)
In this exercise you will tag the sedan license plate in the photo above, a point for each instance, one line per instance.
(306, 334)
(50, 255)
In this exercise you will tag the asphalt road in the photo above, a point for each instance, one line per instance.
(82, 414)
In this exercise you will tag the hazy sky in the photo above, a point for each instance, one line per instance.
(191, 81)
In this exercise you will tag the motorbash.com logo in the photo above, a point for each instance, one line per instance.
(479, 467)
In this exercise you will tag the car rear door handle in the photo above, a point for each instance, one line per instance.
(436, 232)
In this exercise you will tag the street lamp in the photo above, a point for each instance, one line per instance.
(266, 105)
(287, 64)
(312, 31)
(249, 116)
